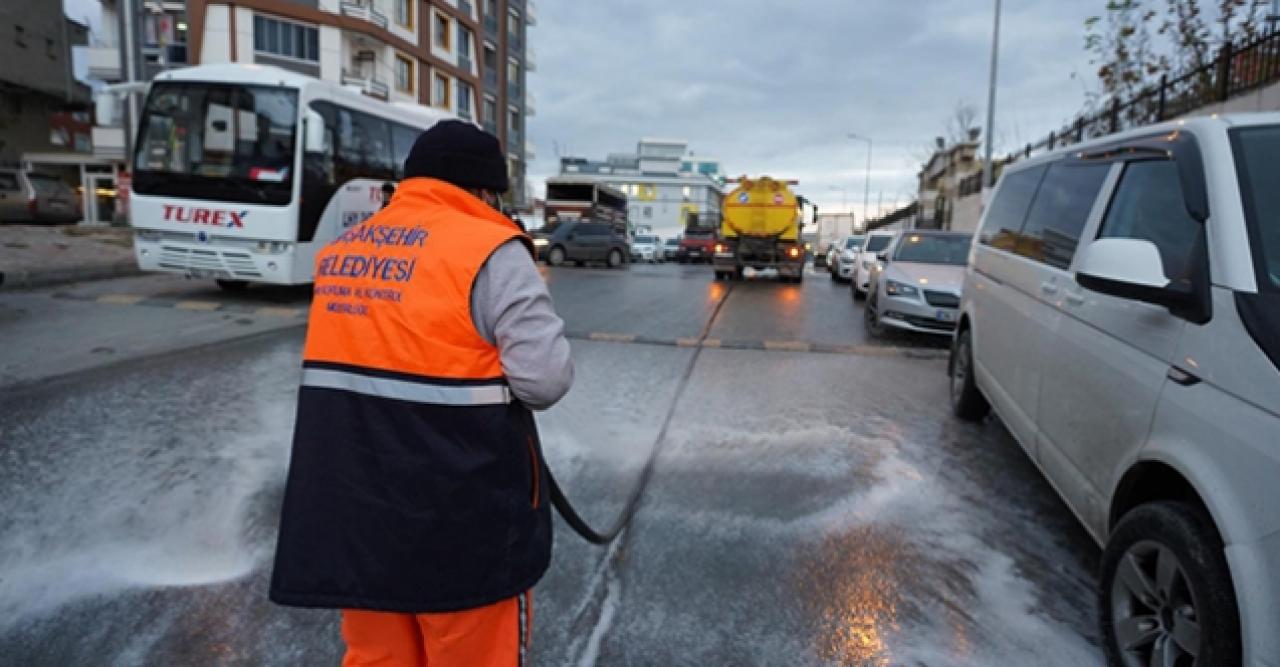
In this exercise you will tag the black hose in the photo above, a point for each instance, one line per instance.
(561, 502)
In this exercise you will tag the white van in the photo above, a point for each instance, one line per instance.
(1121, 315)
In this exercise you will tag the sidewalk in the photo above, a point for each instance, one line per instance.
(36, 256)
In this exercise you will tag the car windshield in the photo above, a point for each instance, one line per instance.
(934, 249)
(47, 186)
(853, 242)
(225, 142)
(1258, 159)
(673, 242)
(878, 243)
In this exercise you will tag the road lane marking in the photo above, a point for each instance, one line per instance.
(197, 305)
(612, 337)
(788, 345)
(686, 342)
(121, 299)
(278, 311)
(711, 342)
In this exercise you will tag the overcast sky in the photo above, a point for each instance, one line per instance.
(773, 87)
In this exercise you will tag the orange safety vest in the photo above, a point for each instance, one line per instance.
(414, 480)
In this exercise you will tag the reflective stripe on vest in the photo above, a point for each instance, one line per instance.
(405, 390)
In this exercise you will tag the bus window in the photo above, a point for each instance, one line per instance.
(402, 138)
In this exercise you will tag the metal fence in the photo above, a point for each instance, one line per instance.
(1237, 69)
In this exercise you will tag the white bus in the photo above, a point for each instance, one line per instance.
(243, 172)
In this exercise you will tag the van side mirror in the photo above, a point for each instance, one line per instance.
(1130, 269)
(314, 140)
(883, 256)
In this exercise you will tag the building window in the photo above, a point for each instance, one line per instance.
(464, 100)
(464, 41)
(442, 28)
(513, 121)
(490, 7)
(513, 25)
(286, 39)
(404, 13)
(490, 111)
(441, 92)
(404, 74)
(513, 72)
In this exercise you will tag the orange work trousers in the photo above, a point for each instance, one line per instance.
(496, 635)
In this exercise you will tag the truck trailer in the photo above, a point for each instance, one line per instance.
(760, 229)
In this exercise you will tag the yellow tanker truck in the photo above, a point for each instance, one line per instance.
(760, 229)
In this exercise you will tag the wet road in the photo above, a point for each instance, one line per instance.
(807, 508)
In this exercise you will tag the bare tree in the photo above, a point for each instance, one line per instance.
(962, 123)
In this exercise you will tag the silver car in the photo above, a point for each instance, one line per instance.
(916, 284)
(33, 197)
(845, 257)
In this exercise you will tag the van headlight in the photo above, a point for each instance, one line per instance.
(895, 288)
(540, 243)
(273, 247)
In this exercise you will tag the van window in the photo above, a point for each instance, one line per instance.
(878, 243)
(1007, 212)
(1148, 204)
(1257, 151)
(1059, 211)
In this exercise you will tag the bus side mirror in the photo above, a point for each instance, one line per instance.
(313, 133)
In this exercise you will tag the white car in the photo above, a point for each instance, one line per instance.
(876, 243)
(1121, 315)
(845, 257)
(646, 248)
(917, 285)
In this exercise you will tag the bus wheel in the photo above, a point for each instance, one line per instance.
(232, 285)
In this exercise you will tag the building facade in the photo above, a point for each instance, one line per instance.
(666, 186)
(940, 186)
(467, 57)
(44, 110)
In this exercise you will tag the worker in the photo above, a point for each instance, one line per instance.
(416, 502)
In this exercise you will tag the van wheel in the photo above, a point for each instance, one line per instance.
(615, 258)
(967, 401)
(1165, 593)
(556, 256)
(232, 285)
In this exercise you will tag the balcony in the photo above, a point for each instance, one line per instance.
(367, 85)
(491, 25)
(515, 43)
(530, 153)
(530, 104)
(513, 91)
(530, 59)
(108, 142)
(104, 63)
(365, 12)
(530, 13)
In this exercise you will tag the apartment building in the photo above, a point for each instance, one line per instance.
(666, 186)
(940, 190)
(469, 58)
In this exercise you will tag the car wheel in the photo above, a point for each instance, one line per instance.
(555, 257)
(232, 285)
(967, 402)
(615, 259)
(871, 318)
(1165, 593)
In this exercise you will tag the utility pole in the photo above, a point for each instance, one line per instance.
(129, 57)
(866, 186)
(991, 102)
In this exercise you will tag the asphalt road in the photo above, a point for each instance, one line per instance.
(813, 503)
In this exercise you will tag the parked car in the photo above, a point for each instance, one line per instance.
(915, 286)
(875, 244)
(646, 248)
(32, 197)
(1121, 316)
(821, 259)
(582, 242)
(670, 249)
(697, 246)
(846, 258)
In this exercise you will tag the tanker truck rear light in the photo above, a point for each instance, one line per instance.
(720, 247)
(793, 252)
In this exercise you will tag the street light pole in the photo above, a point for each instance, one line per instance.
(991, 102)
(866, 187)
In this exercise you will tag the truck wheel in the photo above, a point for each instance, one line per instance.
(232, 285)
(556, 256)
(615, 258)
(1165, 592)
(967, 401)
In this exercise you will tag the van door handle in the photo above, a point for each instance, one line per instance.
(1050, 288)
(1075, 298)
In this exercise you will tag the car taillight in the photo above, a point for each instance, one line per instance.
(794, 251)
(719, 247)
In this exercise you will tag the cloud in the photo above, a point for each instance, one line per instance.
(774, 88)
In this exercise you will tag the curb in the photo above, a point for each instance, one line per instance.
(31, 279)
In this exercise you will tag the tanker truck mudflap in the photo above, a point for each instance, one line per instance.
(761, 230)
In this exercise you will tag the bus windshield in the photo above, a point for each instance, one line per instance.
(225, 142)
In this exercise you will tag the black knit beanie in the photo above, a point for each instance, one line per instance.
(459, 153)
